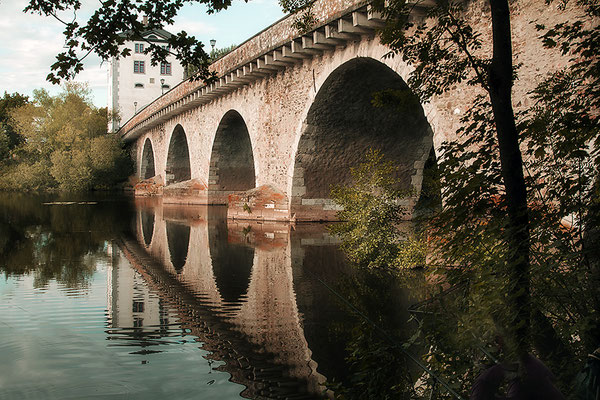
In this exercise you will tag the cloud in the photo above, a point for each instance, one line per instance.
(29, 47)
(192, 27)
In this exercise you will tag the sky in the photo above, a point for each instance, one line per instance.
(29, 42)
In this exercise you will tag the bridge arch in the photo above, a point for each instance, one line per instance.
(147, 169)
(178, 242)
(147, 221)
(232, 160)
(178, 166)
(232, 258)
(342, 124)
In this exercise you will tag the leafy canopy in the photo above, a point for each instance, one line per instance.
(9, 138)
(65, 144)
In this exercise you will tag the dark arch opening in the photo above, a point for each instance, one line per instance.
(232, 260)
(178, 239)
(147, 165)
(231, 159)
(178, 158)
(147, 226)
(343, 124)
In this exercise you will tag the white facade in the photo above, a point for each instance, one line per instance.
(133, 82)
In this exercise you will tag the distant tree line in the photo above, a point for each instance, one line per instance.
(215, 54)
(58, 143)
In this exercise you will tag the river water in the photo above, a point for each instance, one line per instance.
(119, 298)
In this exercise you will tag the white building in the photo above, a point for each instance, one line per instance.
(133, 82)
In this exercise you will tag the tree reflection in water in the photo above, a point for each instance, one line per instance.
(54, 241)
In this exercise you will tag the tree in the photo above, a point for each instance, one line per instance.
(65, 144)
(444, 51)
(371, 214)
(9, 138)
(505, 231)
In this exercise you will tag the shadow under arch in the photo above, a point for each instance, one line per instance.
(232, 261)
(147, 169)
(178, 167)
(178, 240)
(231, 160)
(342, 124)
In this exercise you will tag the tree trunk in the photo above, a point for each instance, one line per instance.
(517, 231)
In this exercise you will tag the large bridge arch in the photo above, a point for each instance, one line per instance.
(342, 124)
(232, 165)
(178, 165)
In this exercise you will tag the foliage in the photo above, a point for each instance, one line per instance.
(9, 138)
(65, 145)
(191, 70)
(372, 209)
(215, 54)
(560, 138)
(304, 20)
(377, 366)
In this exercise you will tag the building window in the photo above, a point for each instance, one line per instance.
(139, 67)
(139, 85)
(165, 68)
(138, 306)
(138, 322)
(139, 47)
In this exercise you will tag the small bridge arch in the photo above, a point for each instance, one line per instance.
(147, 169)
(178, 243)
(178, 166)
(232, 159)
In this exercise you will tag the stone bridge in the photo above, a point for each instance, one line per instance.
(290, 115)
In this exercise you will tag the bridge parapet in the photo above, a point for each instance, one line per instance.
(268, 52)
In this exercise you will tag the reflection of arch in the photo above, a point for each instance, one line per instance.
(147, 164)
(147, 218)
(178, 158)
(342, 124)
(231, 262)
(178, 239)
(231, 160)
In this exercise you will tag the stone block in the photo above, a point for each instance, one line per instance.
(298, 191)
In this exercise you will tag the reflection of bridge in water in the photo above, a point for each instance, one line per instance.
(234, 286)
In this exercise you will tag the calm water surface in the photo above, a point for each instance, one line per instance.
(116, 298)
